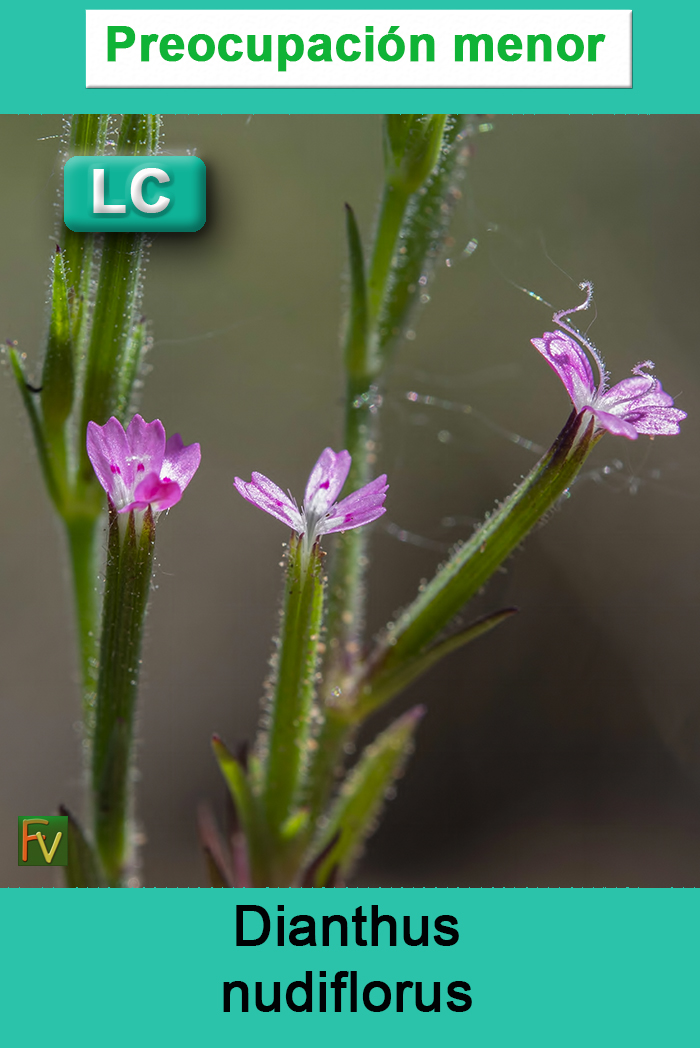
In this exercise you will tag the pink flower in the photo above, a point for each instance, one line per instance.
(635, 405)
(138, 468)
(320, 513)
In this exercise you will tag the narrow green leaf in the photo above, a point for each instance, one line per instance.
(237, 782)
(82, 870)
(361, 366)
(86, 136)
(360, 363)
(363, 793)
(116, 312)
(295, 826)
(57, 381)
(37, 427)
(473, 563)
(139, 134)
(132, 361)
(247, 809)
(371, 696)
(391, 216)
(409, 237)
(308, 875)
(295, 680)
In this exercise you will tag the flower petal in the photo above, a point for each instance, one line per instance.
(181, 461)
(154, 492)
(326, 481)
(615, 424)
(361, 507)
(571, 364)
(146, 447)
(268, 497)
(656, 421)
(643, 404)
(643, 389)
(108, 451)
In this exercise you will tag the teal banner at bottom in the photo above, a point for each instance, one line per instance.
(480, 967)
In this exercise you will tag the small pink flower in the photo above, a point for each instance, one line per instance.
(320, 514)
(137, 468)
(635, 405)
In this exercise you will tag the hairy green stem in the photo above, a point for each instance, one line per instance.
(393, 208)
(127, 583)
(82, 534)
(473, 563)
(415, 222)
(295, 682)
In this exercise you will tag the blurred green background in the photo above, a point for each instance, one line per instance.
(564, 749)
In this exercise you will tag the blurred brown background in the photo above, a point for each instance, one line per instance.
(564, 749)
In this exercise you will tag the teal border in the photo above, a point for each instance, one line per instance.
(552, 968)
(44, 69)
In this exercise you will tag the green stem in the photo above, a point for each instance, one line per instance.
(393, 208)
(127, 582)
(371, 310)
(87, 137)
(363, 793)
(346, 603)
(115, 312)
(114, 345)
(376, 694)
(295, 682)
(475, 562)
(347, 586)
(362, 402)
(330, 747)
(82, 534)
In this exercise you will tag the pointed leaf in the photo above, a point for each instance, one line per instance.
(363, 793)
(247, 809)
(57, 381)
(37, 427)
(308, 877)
(136, 346)
(473, 563)
(371, 696)
(86, 136)
(360, 362)
(237, 781)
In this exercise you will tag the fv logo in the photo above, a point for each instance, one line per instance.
(42, 842)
